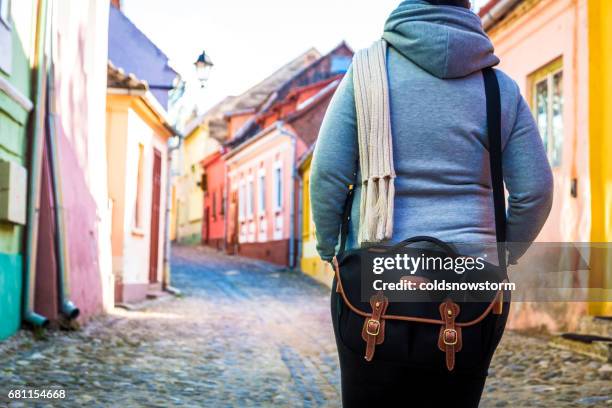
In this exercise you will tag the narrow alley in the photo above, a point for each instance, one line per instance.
(245, 334)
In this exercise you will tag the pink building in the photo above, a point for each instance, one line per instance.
(264, 190)
(263, 194)
(137, 134)
(543, 45)
(223, 123)
(83, 255)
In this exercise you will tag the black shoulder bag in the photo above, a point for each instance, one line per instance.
(446, 332)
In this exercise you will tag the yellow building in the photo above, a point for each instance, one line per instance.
(559, 53)
(204, 135)
(187, 195)
(600, 138)
(310, 262)
(137, 133)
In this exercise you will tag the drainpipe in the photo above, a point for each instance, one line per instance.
(225, 209)
(300, 219)
(168, 247)
(497, 12)
(67, 308)
(34, 177)
(280, 127)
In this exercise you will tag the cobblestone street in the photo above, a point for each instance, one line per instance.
(244, 334)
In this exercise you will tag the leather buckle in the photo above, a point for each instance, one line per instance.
(450, 337)
(373, 327)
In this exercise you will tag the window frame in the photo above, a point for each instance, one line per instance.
(261, 196)
(278, 186)
(546, 74)
(250, 197)
(214, 205)
(241, 201)
(222, 203)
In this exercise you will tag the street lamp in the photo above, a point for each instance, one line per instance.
(203, 67)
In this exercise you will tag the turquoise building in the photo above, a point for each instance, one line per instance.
(16, 43)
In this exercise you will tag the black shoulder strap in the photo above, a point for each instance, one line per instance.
(495, 151)
(495, 160)
(346, 219)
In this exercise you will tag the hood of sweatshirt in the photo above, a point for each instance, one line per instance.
(446, 41)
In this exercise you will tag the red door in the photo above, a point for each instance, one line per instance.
(207, 220)
(232, 224)
(155, 217)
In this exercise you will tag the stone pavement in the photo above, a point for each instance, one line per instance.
(247, 335)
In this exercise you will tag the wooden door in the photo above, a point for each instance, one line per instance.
(155, 217)
(232, 224)
(207, 221)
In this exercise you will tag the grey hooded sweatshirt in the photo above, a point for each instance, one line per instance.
(438, 120)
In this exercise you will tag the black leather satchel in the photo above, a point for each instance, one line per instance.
(446, 331)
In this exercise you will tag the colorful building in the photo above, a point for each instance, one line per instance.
(189, 203)
(247, 121)
(263, 178)
(554, 80)
(552, 49)
(204, 135)
(310, 261)
(213, 230)
(600, 142)
(56, 274)
(73, 193)
(137, 134)
(17, 27)
(224, 123)
(263, 192)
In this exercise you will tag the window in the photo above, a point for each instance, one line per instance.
(547, 106)
(261, 204)
(214, 205)
(222, 206)
(250, 198)
(5, 8)
(278, 186)
(241, 201)
(203, 183)
(138, 207)
(6, 37)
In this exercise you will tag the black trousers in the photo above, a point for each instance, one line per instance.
(381, 384)
(388, 385)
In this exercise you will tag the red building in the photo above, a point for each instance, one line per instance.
(263, 184)
(227, 122)
(295, 99)
(213, 228)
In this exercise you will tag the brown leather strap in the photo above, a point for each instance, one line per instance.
(450, 341)
(373, 331)
(499, 303)
(338, 281)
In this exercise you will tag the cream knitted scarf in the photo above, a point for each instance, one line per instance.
(375, 146)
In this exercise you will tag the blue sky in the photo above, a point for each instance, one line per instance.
(250, 39)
